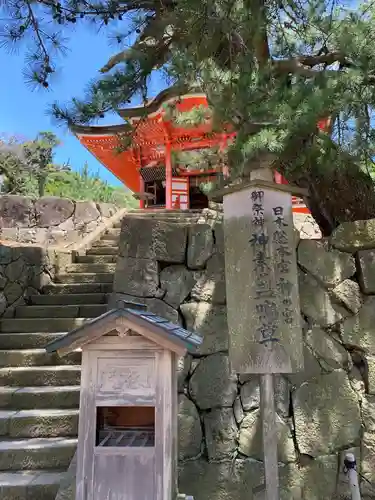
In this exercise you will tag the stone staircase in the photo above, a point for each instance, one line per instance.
(39, 392)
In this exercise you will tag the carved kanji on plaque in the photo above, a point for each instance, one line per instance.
(261, 280)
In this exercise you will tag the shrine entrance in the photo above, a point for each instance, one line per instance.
(148, 166)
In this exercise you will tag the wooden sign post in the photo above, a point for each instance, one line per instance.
(265, 334)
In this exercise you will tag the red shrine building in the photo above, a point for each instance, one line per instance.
(149, 167)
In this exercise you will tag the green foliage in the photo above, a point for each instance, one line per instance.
(27, 168)
(259, 62)
(38, 157)
(199, 159)
(25, 165)
(270, 69)
(83, 185)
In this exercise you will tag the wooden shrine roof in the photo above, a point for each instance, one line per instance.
(147, 324)
(150, 131)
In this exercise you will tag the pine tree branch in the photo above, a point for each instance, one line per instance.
(302, 65)
(35, 26)
(154, 41)
(261, 45)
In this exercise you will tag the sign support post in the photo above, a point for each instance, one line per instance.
(264, 321)
(267, 401)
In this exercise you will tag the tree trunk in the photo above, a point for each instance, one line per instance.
(344, 194)
(339, 191)
(41, 184)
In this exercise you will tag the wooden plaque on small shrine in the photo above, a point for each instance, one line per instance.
(264, 317)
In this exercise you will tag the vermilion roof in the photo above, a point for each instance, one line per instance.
(149, 131)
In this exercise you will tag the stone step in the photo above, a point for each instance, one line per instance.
(105, 243)
(42, 397)
(85, 278)
(112, 234)
(102, 251)
(36, 453)
(30, 485)
(96, 259)
(69, 299)
(39, 423)
(28, 340)
(164, 214)
(14, 325)
(40, 375)
(62, 311)
(36, 357)
(77, 288)
(91, 268)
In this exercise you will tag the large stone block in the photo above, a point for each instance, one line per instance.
(6, 254)
(107, 209)
(35, 256)
(52, 211)
(213, 383)
(328, 266)
(370, 360)
(67, 490)
(226, 480)
(317, 304)
(12, 292)
(16, 270)
(311, 369)
(189, 429)
(221, 433)
(366, 270)
(3, 303)
(177, 281)
(318, 478)
(210, 321)
(11, 234)
(349, 293)
(359, 330)
(250, 438)
(326, 413)
(368, 461)
(85, 212)
(16, 211)
(37, 235)
(250, 394)
(183, 369)
(210, 286)
(200, 245)
(138, 277)
(152, 239)
(306, 226)
(368, 413)
(238, 410)
(353, 236)
(330, 353)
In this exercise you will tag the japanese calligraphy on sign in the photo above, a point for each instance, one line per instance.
(261, 280)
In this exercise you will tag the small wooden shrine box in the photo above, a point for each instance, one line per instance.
(127, 440)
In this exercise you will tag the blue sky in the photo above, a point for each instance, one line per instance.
(23, 111)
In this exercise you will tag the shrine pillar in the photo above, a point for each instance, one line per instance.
(168, 176)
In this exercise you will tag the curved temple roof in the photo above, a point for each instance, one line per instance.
(150, 131)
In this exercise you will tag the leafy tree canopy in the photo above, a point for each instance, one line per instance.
(270, 68)
(24, 162)
(27, 168)
(84, 185)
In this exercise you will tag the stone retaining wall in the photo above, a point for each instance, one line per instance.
(177, 269)
(24, 270)
(50, 220)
